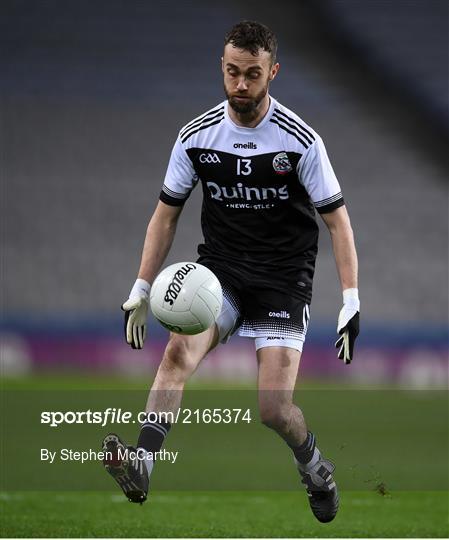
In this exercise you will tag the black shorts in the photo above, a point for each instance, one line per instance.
(263, 309)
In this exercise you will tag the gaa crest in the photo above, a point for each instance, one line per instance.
(281, 163)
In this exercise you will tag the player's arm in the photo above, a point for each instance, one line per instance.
(317, 175)
(179, 181)
(158, 240)
(343, 245)
(345, 254)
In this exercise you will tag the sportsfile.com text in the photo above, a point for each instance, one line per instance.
(113, 415)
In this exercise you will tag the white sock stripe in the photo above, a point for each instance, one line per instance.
(162, 427)
(156, 427)
(158, 424)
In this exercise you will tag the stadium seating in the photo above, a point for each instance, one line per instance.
(93, 100)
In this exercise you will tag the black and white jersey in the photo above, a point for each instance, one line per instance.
(261, 187)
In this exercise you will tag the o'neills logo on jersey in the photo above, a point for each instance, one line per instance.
(279, 314)
(175, 286)
(239, 191)
(281, 163)
(248, 145)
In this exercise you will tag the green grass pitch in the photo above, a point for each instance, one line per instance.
(221, 515)
(235, 481)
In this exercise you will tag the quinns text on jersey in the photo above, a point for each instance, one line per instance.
(253, 214)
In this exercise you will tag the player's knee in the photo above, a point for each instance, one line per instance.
(177, 359)
(276, 417)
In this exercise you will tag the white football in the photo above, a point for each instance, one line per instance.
(186, 298)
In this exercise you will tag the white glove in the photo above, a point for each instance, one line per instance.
(348, 324)
(136, 311)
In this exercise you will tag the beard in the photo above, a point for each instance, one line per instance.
(250, 105)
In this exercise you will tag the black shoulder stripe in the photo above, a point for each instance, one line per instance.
(297, 137)
(202, 126)
(301, 127)
(290, 124)
(197, 124)
(205, 116)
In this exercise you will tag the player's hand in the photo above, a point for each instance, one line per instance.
(136, 313)
(348, 325)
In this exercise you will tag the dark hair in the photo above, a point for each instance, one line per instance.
(252, 36)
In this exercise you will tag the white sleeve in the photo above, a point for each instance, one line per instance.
(317, 176)
(180, 177)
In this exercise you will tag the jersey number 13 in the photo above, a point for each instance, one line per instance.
(244, 167)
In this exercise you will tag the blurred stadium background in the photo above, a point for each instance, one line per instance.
(93, 94)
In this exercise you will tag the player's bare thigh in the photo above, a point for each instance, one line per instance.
(278, 368)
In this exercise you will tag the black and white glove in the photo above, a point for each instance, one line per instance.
(136, 313)
(348, 325)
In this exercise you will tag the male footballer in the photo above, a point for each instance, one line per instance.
(264, 172)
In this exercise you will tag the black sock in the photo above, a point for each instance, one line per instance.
(152, 435)
(305, 451)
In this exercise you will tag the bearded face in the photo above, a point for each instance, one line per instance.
(247, 78)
